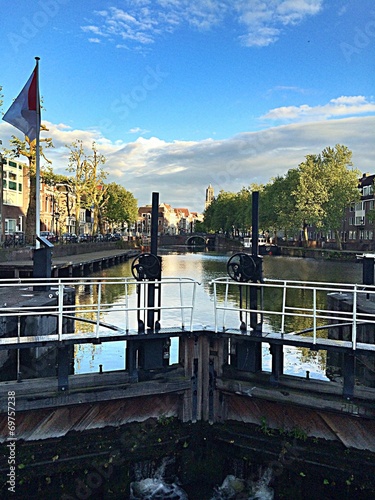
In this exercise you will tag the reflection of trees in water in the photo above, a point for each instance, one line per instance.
(297, 298)
(213, 267)
(308, 356)
(87, 296)
(271, 299)
(87, 352)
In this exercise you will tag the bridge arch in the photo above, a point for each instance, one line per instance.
(196, 240)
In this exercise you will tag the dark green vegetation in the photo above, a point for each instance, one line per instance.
(316, 193)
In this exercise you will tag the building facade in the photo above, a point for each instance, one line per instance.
(359, 222)
(171, 220)
(14, 196)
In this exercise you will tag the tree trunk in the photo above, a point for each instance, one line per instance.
(305, 235)
(338, 240)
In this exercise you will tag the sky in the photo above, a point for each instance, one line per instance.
(180, 94)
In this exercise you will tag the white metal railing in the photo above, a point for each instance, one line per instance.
(114, 306)
(103, 306)
(303, 302)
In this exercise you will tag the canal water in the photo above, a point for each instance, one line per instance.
(218, 469)
(204, 267)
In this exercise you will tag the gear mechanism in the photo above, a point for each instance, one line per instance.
(146, 266)
(242, 267)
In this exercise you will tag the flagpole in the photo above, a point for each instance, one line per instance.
(37, 157)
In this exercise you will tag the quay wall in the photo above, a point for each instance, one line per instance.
(26, 253)
(221, 243)
(319, 253)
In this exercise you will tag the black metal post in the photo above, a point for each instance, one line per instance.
(154, 251)
(63, 367)
(255, 348)
(277, 362)
(254, 253)
(154, 223)
(368, 270)
(348, 372)
(255, 223)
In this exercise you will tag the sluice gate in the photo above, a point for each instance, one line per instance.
(218, 373)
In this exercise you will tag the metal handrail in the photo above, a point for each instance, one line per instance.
(56, 288)
(225, 305)
(312, 312)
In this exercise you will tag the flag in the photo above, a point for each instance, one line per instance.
(24, 113)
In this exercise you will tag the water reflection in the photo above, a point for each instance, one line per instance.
(204, 267)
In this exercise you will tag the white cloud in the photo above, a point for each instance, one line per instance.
(138, 130)
(141, 23)
(341, 106)
(181, 170)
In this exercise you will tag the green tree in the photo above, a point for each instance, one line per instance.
(120, 205)
(242, 212)
(278, 210)
(220, 214)
(326, 187)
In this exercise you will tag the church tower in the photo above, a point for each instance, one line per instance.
(209, 196)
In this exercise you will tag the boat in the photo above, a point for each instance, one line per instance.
(264, 246)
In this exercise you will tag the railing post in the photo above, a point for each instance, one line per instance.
(126, 307)
(181, 303)
(314, 315)
(193, 306)
(283, 309)
(98, 310)
(354, 328)
(61, 310)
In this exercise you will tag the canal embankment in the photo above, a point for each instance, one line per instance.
(320, 253)
(76, 259)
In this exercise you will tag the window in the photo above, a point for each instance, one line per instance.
(13, 185)
(358, 206)
(368, 190)
(20, 187)
(10, 225)
(12, 164)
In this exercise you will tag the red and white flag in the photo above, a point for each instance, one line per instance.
(24, 113)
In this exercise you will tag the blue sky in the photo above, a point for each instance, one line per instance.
(180, 94)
